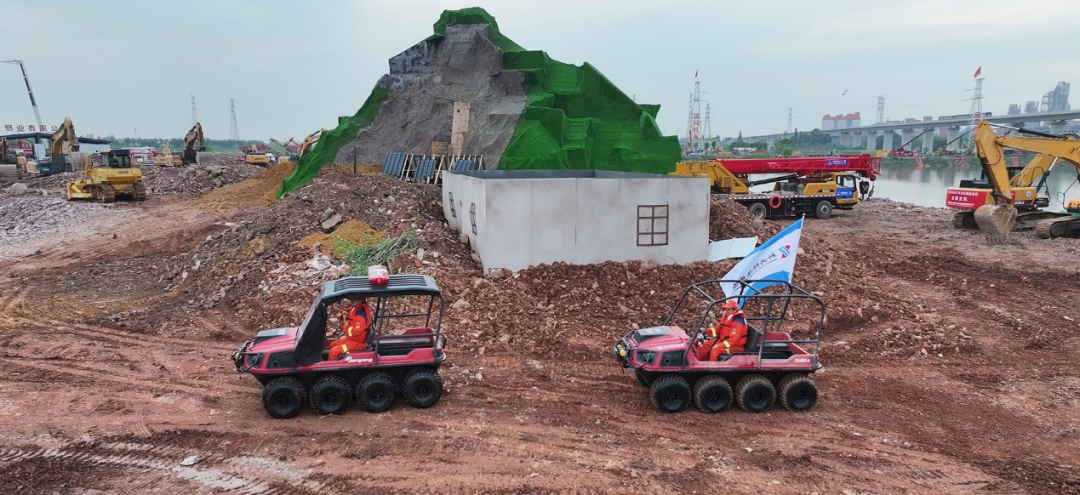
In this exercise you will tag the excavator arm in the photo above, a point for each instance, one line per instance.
(997, 220)
(193, 142)
(1033, 171)
(310, 141)
(65, 134)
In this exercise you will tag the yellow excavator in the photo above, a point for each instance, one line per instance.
(1026, 183)
(998, 219)
(108, 174)
(309, 143)
(256, 157)
(63, 141)
(194, 142)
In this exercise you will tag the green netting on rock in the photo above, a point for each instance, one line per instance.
(573, 118)
(332, 140)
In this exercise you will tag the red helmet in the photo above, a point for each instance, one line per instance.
(731, 304)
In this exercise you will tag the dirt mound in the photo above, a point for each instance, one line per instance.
(194, 179)
(729, 220)
(259, 190)
(261, 264)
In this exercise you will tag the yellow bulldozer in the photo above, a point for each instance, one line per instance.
(108, 174)
(167, 158)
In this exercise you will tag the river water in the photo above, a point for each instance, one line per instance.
(927, 186)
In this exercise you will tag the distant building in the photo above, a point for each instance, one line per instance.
(1031, 107)
(840, 121)
(1014, 109)
(1057, 100)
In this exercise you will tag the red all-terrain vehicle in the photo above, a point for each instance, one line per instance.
(292, 364)
(664, 358)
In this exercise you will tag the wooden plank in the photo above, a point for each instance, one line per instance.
(459, 128)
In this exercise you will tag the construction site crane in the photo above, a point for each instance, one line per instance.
(813, 185)
(194, 141)
(26, 78)
(998, 219)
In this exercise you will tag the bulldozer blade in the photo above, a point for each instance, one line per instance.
(996, 221)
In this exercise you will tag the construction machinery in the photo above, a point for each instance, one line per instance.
(256, 156)
(29, 90)
(1028, 185)
(811, 186)
(12, 165)
(194, 142)
(108, 174)
(998, 219)
(167, 158)
(309, 143)
(62, 142)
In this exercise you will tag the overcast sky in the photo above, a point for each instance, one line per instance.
(294, 66)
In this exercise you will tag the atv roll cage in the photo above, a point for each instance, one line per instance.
(312, 332)
(775, 310)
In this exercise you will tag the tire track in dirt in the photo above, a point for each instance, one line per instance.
(244, 474)
(97, 372)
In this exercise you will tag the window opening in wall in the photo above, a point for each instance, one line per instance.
(472, 216)
(453, 212)
(652, 225)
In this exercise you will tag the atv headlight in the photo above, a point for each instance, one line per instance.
(645, 357)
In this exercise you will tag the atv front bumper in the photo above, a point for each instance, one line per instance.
(622, 353)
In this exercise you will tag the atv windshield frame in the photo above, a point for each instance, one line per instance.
(312, 332)
(776, 303)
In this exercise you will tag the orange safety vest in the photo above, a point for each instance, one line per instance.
(358, 320)
(731, 332)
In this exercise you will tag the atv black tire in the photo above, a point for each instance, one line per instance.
(283, 397)
(376, 392)
(755, 393)
(422, 387)
(797, 392)
(712, 394)
(331, 395)
(670, 393)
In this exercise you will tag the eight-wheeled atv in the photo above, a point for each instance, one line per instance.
(293, 366)
(664, 357)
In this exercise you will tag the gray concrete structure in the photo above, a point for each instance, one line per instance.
(928, 141)
(951, 134)
(518, 218)
(871, 140)
(886, 143)
(907, 135)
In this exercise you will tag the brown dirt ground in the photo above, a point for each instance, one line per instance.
(946, 364)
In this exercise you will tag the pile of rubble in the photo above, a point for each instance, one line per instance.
(729, 220)
(194, 179)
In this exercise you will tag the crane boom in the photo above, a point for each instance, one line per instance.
(26, 78)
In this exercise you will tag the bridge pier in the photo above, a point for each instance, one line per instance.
(871, 140)
(886, 143)
(951, 135)
(907, 135)
(928, 141)
(1057, 127)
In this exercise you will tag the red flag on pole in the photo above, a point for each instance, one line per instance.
(977, 72)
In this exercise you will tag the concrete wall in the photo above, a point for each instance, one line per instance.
(581, 216)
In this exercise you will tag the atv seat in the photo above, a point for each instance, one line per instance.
(753, 339)
(397, 345)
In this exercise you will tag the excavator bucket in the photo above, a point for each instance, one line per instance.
(996, 221)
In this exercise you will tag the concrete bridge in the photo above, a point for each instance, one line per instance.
(853, 137)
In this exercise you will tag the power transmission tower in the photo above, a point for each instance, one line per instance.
(194, 116)
(788, 131)
(976, 103)
(880, 110)
(707, 133)
(234, 132)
